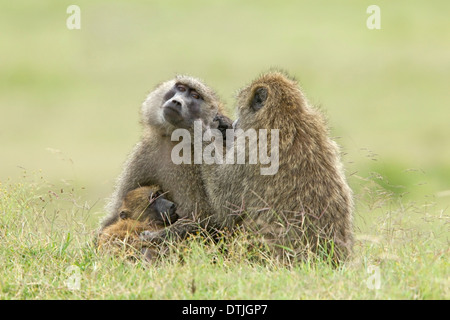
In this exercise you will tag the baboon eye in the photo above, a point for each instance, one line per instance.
(181, 88)
(195, 95)
(259, 98)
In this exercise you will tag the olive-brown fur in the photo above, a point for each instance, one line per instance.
(150, 162)
(307, 205)
(136, 214)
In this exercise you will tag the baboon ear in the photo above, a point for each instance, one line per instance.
(123, 214)
(259, 98)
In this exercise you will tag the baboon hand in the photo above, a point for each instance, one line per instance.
(222, 123)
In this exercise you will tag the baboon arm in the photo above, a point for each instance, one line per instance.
(184, 227)
(136, 173)
(178, 231)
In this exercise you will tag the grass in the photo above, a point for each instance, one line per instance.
(69, 102)
(44, 232)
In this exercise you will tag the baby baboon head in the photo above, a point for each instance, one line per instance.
(148, 204)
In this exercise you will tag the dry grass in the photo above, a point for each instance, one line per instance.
(44, 232)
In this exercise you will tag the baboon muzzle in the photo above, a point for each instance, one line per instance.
(167, 209)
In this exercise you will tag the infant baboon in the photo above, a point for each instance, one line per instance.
(144, 208)
(173, 104)
(122, 237)
(149, 205)
(306, 205)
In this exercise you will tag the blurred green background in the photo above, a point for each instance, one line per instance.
(70, 99)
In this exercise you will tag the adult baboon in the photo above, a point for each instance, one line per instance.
(307, 204)
(174, 104)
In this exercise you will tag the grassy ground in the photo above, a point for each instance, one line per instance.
(47, 245)
(69, 102)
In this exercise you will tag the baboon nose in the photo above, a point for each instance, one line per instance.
(176, 102)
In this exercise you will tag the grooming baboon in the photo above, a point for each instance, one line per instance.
(144, 208)
(174, 104)
(306, 205)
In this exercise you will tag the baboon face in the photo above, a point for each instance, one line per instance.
(178, 103)
(262, 102)
(182, 105)
(148, 204)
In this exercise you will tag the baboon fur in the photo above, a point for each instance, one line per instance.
(135, 215)
(122, 237)
(149, 205)
(307, 205)
(150, 161)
